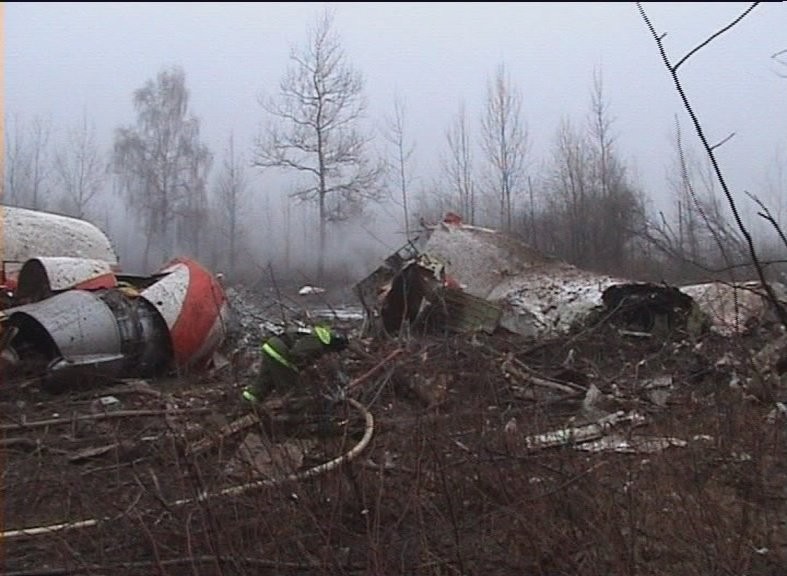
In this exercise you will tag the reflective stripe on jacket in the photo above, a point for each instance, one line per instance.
(323, 333)
(273, 353)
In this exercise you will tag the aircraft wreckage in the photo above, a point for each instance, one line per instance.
(463, 278)
(70, 314)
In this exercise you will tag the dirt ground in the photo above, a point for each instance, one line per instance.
(454, 478)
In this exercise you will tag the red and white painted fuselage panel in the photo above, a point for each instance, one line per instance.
(193, 305)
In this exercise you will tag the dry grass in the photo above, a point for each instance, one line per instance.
(442, 489)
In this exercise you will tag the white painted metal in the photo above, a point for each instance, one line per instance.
(59, 273)
(539, 296)
(31, 233)
(216, 335)
(78, 322)
(733, 307)
(168, 294)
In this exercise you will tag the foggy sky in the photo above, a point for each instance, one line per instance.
(63, 59)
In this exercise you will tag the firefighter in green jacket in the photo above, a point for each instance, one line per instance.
(283, 357)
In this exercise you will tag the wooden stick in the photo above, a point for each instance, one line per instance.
(364, 377)
(103, 416)
(226, 431)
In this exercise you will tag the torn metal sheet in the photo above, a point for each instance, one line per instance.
(521, 290)
(542, 296)
(30, 234)
(653, 309)
(632, 445)
(463, 312)
(40, 278)
(586, 433)
(178, 321)
(259, 458)
(404, 291)
(194, 307)
(734, 308)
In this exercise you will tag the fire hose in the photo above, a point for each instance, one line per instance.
(231, 491)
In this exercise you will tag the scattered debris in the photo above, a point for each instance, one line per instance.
(495, 344)
(29, 234)
(177, 319)
(631, 445)
(580, 434)
(659, 389)
(735, 308)
(307, 290)
(466, 278)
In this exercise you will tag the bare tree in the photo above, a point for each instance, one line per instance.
(709, 148)
(568, 185)
(396, 135)
(592, 210)
(504, 139)
(776, 183)
(28, 166)
(616, 203)
(163, 165)
(458, 165)
(80, 170)
(16, 165)
(230, 201)
(315, 131)
(701, 240)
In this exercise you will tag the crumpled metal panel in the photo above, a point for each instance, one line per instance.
(194, 307)
(40, 277)
(33, 233)
(539, 296)
(480, 258)
(78, 323)
(732, 308)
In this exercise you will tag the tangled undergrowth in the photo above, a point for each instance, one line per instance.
(455, 479)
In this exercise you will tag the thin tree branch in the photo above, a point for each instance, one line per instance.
(710, 38)
(722, 142)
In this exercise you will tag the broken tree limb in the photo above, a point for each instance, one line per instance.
(226, 431)
(105, 416)
(92, 452)
(131, 386)
(512, 366)
(525, 372)
(48, 530)
(126, 450)
(364, 377)
(538, 381)
(150, 564)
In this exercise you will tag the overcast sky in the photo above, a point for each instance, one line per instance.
(63, 58)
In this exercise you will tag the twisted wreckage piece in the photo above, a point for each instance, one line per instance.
(466, 278)
(71, 315)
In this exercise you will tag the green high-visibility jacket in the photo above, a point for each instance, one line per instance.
(283, 357)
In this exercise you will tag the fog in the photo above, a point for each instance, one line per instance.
(69, 62)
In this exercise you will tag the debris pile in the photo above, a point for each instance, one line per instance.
(116, 327)
(613, 438)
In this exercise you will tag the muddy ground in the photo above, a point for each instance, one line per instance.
(453, 480)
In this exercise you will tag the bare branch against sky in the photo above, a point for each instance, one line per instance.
(66, 60)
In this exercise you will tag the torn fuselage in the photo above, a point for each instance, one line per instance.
(118, 327)
(487, 279)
